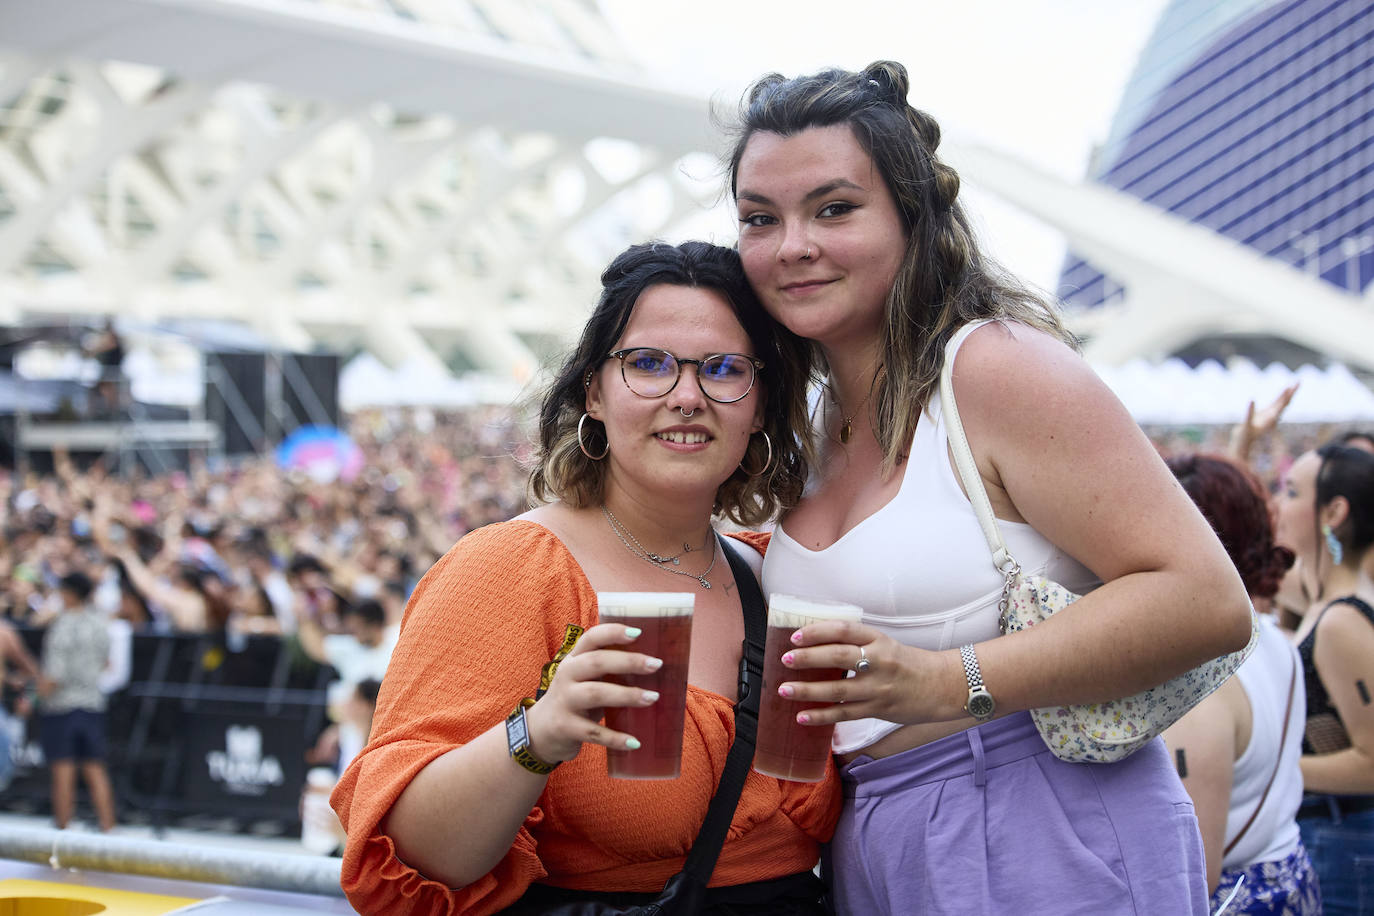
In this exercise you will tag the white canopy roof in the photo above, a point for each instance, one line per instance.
(365, 382)
(1172, 393)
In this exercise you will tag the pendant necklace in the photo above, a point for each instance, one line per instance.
(846, 427)
(667, 564)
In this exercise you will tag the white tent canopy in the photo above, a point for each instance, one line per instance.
(1172, 393)
(364, 382)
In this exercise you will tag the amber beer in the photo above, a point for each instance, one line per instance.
(786, 749)
(666, 621)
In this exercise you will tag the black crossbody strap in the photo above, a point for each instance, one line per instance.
(701, 861)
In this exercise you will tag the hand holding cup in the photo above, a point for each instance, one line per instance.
(569, 714)
(901, 683)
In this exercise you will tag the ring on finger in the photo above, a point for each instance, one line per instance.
(863, 664)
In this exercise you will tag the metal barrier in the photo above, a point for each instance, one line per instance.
(150, 858)
(204, 728)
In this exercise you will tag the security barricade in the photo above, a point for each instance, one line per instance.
(205, 726)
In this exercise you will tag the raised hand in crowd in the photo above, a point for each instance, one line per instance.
(1258, 423)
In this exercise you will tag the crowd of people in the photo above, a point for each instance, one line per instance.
(229, 550)
(251, 547)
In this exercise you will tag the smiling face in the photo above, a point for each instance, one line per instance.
(654, 449)
(818, 191)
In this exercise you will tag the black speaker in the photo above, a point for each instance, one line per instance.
(257, 399)
(310, 388)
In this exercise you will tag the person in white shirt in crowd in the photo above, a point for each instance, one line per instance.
(360, 652)
(1238, 750)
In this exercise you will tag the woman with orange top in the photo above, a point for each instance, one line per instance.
(676, 407)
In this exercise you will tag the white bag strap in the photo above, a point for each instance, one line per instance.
(963, 458)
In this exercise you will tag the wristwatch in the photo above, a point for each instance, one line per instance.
(980, 703)
(518, 740)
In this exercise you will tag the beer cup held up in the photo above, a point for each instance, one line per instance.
(666, 621)
(786, 749)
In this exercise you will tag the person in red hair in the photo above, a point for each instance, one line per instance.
(1238, 750)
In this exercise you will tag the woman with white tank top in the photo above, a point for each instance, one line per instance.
(853, 237)
(1238, 751)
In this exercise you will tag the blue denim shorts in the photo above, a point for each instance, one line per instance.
(1341, 844)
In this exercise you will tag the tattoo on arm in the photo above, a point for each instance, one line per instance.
(1364, 692)
(1181, 762)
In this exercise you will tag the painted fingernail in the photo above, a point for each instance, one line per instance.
(632, 632)
(797, 637)
(803, 718)
(650, 696)
(653, 664)
(785, 690)
(787, 658)
(631, 744)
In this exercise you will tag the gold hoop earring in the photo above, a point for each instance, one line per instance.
(604, 452)
(767, 462)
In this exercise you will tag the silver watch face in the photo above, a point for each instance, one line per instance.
(517, 737)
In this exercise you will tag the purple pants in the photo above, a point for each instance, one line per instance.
(989, 821)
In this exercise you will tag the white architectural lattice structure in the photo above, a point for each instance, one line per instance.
(413, 176)
(441, 181)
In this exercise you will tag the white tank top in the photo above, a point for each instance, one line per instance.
(919, 566)
(1265, 675)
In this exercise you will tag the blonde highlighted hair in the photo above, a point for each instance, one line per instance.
(944, 281)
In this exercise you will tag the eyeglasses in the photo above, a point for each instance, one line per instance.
(651, 373)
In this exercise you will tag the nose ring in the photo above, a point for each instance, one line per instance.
(685, 413)
(807, 256)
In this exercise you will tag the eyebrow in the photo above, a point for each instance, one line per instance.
(828, 188)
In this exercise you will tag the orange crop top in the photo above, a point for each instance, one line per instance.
(478, 628)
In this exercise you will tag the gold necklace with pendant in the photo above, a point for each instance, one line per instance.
(846, 425)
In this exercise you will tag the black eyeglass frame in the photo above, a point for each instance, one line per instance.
(680, 361)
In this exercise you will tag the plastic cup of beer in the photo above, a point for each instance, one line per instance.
(786, 749)
(666, 621)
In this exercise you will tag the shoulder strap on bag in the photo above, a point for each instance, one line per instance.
(701, 861)
(1283, 739)
(963, 456)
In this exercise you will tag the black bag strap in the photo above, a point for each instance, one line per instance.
(685, 892)
(701, 861)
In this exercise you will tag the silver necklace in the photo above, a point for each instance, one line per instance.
(649, 554)
(667, 564)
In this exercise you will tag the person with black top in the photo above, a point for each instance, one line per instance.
(1326, 515)
(106, 348)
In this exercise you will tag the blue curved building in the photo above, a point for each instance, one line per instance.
(1255, 119)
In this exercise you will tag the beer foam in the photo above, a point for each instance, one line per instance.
(791, 611)
(645, 604)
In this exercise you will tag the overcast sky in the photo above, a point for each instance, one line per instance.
(1039, 78)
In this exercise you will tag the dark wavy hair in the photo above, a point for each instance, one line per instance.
(563, 472)
(1233, 502)
(945, 281)
(1348, 471)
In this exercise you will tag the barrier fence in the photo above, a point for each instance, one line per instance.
(60, 849)
(205, 726)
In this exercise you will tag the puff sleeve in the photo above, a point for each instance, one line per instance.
(477, 630)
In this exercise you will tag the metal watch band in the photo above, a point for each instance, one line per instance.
(980, 703)
(518, 741)
(971, 671)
